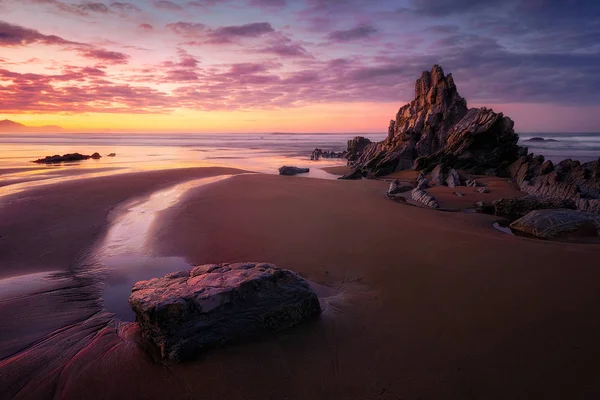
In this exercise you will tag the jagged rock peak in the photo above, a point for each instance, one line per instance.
(438, 127)
(434, 87)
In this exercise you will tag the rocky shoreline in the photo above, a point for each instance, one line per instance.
(438, 134)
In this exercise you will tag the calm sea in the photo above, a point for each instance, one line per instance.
(255, 152)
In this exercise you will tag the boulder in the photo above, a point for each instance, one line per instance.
(112, 155)
(557, 224)
(188, 312)
(438, 175)
(96, 156)
(396, 187)
(453, 179)
(285, 170)
(517, 207)
(437, 127)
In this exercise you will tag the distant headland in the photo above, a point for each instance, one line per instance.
(8, 126)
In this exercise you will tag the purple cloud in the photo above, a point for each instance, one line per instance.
(167, 5)
(14, 35)
(356, 33)
(109, 57)
(146, 27)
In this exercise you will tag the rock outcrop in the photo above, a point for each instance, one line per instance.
(568, 180)
(515, 207)
(187, 312)
(558, 224)
(72, 157)
(437, 127)
(285, 170)
(356, 147)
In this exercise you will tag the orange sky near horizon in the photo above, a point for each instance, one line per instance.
(285, 66)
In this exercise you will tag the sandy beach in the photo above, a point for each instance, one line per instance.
(417, 303)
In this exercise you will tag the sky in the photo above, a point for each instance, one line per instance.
(293, 65)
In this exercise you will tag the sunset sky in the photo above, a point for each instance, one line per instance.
(293, 65)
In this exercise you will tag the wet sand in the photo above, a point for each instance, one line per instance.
(428, 304)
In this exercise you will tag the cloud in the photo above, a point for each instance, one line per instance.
(167, 5)
(200, 33)
(14, 35)
(146, 27)
(109, 57)
(360, 32)
(125, 7)
(17, 36)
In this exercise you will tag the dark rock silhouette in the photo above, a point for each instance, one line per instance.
(540, 139)
(72, 157)
(437, 127)
(285, 170)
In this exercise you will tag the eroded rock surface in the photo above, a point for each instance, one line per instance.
(568, 180)
(187, 312)
(558, 224)
(437, 127)
(515, 207)
(425, 198)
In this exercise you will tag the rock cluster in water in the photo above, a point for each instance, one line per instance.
(188, 312)
(437, 127)
(317, 154)
(67, 158)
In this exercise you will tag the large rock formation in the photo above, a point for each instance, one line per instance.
(568, 180)
(187, 312)
(437, 127)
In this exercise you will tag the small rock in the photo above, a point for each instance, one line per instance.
(483, 190)
(396, 187)
(112, 155)
(285, 170)
(96, 156)
(459, 194)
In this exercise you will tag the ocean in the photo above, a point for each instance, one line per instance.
(253, 152)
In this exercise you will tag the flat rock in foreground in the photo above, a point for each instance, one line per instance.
(555, 224)
(187, 312)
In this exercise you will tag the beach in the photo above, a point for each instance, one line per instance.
(417, 303)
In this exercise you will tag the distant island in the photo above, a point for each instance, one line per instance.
(540, 139)
(8, 126)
